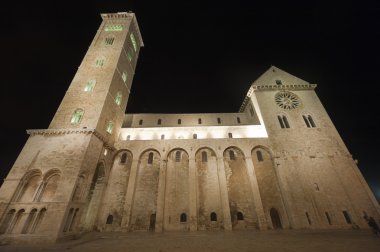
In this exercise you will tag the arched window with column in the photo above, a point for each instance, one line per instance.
(77, 116)
(28, 187)
(309, 121)
(29, 221)
(38, 221)
(7, 220)
(284, 123)
(49, 186)
(16, 221)
(306, 121)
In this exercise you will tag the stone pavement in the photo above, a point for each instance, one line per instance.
(260, 241)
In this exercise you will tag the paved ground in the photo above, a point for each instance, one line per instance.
(263, 241)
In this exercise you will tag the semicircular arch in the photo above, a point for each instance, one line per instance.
(205, 148)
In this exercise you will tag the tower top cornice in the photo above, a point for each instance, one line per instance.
(124, 16)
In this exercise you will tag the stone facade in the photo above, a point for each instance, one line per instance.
(277, 163)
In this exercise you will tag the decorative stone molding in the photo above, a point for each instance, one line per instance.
(257, 88)
(34, 132)
(284, 87)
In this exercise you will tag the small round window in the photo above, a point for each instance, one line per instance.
(287, 100)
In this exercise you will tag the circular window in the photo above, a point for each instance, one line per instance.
(287, 100)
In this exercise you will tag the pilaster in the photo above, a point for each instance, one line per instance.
(125, 221)
(159, 226)
(193, 222)
(256, 193)
(224, 195)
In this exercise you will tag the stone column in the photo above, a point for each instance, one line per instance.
(193, 220)
(159, 226)
(125, 221)
(224, 194)
(256, 193)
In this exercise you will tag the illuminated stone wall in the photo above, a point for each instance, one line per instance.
(196, 175)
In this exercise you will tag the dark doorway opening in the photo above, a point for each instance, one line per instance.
(152, 223)
(275, 217)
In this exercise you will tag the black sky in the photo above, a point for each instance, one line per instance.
(198, 57)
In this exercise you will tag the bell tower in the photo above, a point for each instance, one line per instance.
(55, 187)
(98, 95)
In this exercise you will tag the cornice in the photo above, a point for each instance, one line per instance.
(283, 87)
(125, 15)
(45, 132)
(118, 15)
(259, 88)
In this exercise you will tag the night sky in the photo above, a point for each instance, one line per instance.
(198, 57)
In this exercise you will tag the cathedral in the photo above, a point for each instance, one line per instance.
(277, 163)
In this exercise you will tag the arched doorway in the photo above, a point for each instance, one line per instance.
(275, 217)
